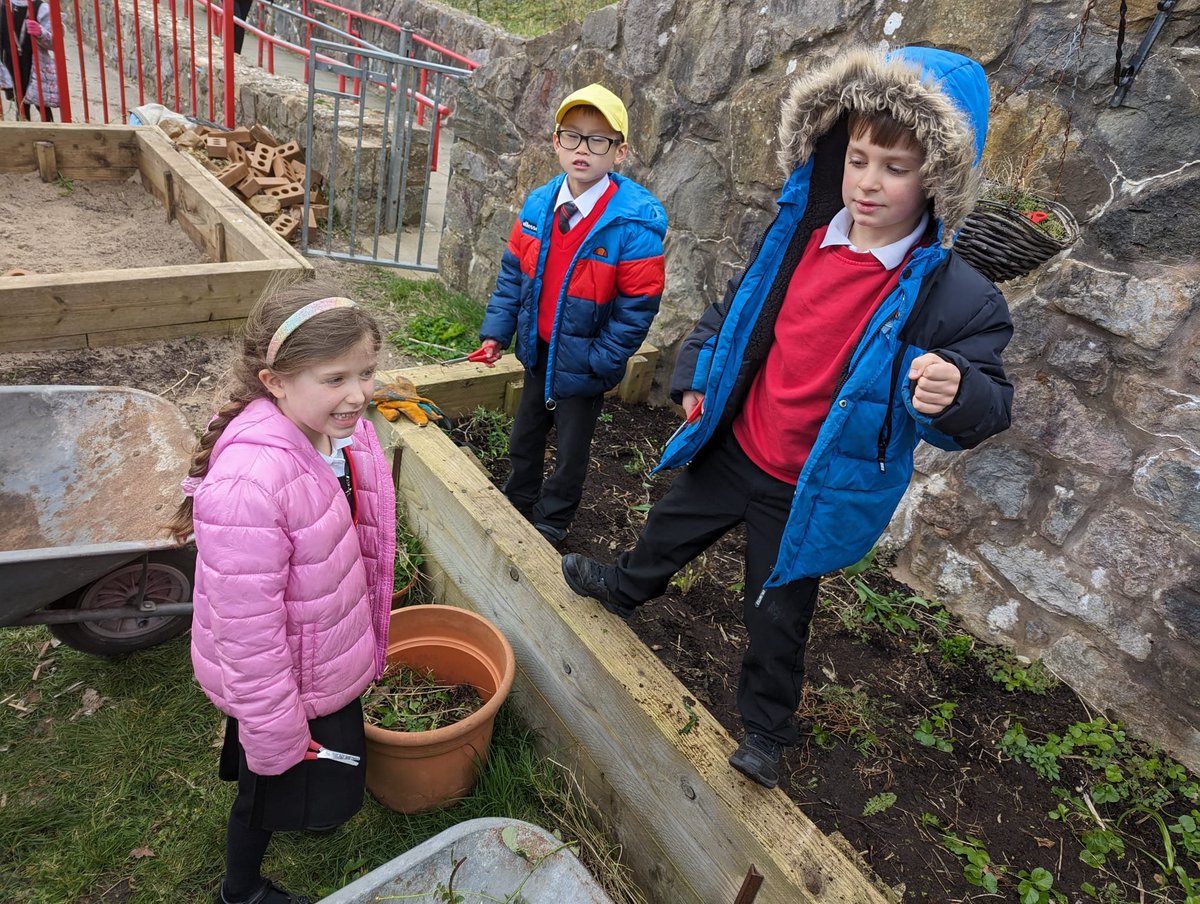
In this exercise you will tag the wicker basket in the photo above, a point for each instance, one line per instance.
(1002, 243)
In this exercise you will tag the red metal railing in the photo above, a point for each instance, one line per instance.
(219, 21)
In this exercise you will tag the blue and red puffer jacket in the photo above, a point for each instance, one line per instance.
(862, 460)
(605, 306)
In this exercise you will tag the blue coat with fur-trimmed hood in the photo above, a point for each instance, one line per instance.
(862, 459)
(607, 301)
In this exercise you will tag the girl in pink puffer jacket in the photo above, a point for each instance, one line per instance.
(292, 504)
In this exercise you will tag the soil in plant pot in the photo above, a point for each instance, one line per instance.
(954, 767)
(407, 700)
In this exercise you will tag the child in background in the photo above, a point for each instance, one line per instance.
(579, 284)
(854, 333)
(34, 40)
(43, 83)
(292, 504)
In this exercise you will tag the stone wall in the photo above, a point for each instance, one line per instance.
(1075, 535)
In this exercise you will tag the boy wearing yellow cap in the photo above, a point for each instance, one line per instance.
(580, 282)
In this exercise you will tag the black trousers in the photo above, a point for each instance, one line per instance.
(714, 494)
(242, 8)
(553, 500)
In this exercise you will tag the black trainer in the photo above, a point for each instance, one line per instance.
(267, 893)
(586, 577)
(554, 535)
(758, 758)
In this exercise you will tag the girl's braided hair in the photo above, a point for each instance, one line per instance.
(327, 335)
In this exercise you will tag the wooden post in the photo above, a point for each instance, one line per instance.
(47, 162)
(169, 197)
(219, 237)
(512, 396)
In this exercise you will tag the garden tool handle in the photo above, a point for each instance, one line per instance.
(318, 752)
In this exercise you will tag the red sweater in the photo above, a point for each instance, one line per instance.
(558, 259)
(830, 299)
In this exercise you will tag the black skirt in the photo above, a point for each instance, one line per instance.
(313, 795)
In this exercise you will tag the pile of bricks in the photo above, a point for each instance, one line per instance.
(266, 173)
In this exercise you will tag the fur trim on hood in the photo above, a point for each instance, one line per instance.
(941, 96)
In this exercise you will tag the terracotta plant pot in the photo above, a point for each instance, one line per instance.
(400, 595)
(421, 770)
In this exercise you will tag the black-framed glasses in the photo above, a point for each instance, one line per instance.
(597, 144)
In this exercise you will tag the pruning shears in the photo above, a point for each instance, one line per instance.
(693, 416)
(318, 752)
(481, 355)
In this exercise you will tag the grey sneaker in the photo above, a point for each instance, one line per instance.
(758, 758)
(586, 578)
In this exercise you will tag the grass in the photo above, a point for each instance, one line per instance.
(127, 802)
(528, 17)
(486, 433)
(1027, 202)
(436, 323)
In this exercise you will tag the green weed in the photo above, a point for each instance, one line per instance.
(956, 649)
(1170, 863)
(894, 612)
(486, 432)
(440, 323)
(879, 803)
(410, 556)
(407, 700)
(1037, 887)
(978, 869)
(848, 714)
(690, 575)
(1016, 673)
(935, 730)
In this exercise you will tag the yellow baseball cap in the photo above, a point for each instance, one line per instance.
(602, 99)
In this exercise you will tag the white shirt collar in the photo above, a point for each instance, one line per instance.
(584, 202)
(336, 460)
(891, 256)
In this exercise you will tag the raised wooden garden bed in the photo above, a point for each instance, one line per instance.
(653, 762)
(109, 307)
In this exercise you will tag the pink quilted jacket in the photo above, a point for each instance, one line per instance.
(292, 600)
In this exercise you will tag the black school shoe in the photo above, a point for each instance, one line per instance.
(554, 535)
(267, 893)
(758, 758)
(586, 577)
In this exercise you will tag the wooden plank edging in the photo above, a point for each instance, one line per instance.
(458, 389)
(690, 825)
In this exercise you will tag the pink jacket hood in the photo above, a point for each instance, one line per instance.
(292, 597)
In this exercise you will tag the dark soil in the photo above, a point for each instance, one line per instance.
(866, 692)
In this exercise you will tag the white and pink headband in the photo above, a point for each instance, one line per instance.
(308, 312)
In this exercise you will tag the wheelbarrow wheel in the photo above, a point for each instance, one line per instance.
(169, 575)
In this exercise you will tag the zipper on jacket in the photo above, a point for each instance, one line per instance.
(885, 431)
(551, 403)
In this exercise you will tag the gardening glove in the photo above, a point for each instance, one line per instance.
(400, 397)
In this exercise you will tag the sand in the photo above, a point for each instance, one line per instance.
(71, 226)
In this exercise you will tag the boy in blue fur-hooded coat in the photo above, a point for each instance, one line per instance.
(854, 332)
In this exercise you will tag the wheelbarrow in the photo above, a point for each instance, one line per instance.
(88, 476)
